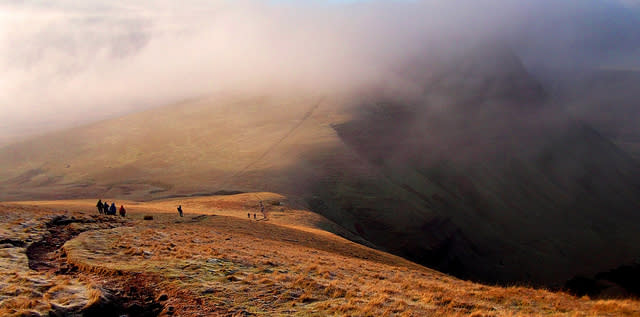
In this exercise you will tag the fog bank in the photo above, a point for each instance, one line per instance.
(72, 62)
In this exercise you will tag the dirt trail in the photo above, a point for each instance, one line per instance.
(129, 296)
(271, 148)
(44, 254)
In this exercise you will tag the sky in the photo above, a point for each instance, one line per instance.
(72, 62)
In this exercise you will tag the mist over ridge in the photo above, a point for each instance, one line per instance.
(72, 62)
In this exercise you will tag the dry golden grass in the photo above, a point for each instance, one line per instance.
(161, 153)
(27, 292)
(227, 264)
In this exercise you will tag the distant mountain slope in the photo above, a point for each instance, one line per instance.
(497, 185)
(222, 143)
(474, 175)
(501, 215)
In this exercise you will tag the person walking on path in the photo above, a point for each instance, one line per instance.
(123, 212)
(249, 215)
(180, 210)
(112, 209)
(99, 205)
(262, 210)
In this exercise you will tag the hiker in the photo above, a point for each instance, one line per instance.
(249, 215)
(180, 210)
(112, 209)
(122, 211)
(99, 205)
(262, 210)
(254, 215)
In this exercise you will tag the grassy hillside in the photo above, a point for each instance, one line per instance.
(204, 146)
(215, 261)
(474, 174)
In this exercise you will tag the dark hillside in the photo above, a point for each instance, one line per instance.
(487, 189)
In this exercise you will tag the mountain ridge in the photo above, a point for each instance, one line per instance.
(460, 176)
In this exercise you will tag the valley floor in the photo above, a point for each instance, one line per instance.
(62, 258)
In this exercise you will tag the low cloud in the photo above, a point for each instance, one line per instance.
(71, 62)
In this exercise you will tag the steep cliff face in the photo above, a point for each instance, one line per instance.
(497, 186)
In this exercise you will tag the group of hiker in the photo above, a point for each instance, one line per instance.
(105, 209)
(264, 215)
